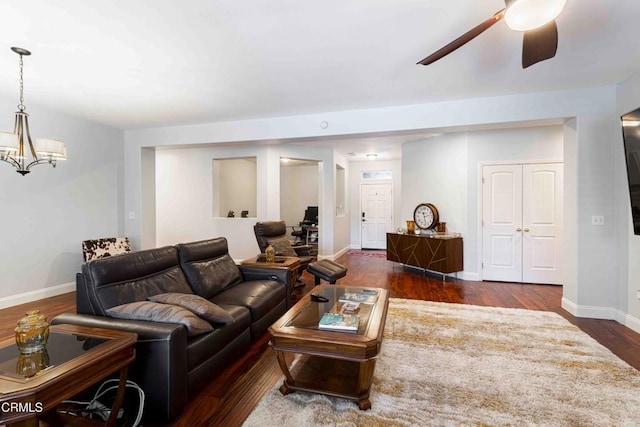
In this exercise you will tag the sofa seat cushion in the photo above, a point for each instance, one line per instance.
(166, 313)
(259, 296)
(204, 347)
(209, 311)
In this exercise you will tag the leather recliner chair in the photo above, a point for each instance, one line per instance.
(274, 230)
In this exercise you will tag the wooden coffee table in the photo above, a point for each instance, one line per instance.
(330, 362)
(75, 358)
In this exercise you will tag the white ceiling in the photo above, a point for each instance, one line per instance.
(143, 63)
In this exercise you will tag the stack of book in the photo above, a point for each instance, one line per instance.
(339, 322)
(348, 319)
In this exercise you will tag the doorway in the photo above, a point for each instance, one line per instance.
(522, 213)
(376, 216)
(299, 183)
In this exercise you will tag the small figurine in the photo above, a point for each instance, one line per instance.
(231, 214)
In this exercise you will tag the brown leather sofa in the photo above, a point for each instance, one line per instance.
(171, 366)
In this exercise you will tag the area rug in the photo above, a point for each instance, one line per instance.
(460, 365)
(371, 254)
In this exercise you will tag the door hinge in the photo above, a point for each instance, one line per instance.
(482, 265)
(483, 179)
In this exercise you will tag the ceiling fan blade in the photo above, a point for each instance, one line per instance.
(539, 44)
(463, 39)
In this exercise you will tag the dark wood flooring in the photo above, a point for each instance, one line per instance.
(229, 399)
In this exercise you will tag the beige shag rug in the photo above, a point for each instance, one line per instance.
(461, 365)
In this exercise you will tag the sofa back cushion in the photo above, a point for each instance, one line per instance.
(208, 266)
(122, 279)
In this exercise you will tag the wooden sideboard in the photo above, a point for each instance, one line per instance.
(442, 254)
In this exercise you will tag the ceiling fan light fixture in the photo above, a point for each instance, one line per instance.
(525, 15)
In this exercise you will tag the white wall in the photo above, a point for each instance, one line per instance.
(49, 212)
(445, 170)
(184, 199)
(234, 186)
(341, 226)
(183, 195)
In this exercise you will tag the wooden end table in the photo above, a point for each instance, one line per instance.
(286, 262)
(333, 363)
(75, 358)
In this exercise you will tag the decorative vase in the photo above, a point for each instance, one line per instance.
(32, 332)
(270, 254)
(30, 364)
(411, 226)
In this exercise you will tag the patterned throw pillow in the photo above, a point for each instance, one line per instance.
(108, 246)
(156, 312)
(195, 304)
(283, 247)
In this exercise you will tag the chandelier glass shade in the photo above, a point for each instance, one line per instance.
(17, 148)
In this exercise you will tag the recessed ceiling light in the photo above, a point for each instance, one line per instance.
(351, 154)
(371, 156)
(284, 160)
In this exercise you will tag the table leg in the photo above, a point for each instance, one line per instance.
(365, 377)
(284, 388)
(122, 387)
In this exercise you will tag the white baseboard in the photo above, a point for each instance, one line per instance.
(38, 294)
(629, 321)
(465, 275)
(606, 313)
(338, 254)
(590, 311)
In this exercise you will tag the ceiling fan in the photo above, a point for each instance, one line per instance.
(535, 18)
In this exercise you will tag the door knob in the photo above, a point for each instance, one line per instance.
(518, 229)
(526, 230)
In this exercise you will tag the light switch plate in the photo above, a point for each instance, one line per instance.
(597, 220)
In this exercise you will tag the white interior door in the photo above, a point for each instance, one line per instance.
(522, 223)
(376, 216)
(542, 216)
(502, 223)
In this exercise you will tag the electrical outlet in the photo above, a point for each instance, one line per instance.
(132, 215)
(597, 220)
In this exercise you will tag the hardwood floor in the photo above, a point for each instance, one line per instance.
(229, 399)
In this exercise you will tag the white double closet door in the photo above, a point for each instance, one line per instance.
(522, 223)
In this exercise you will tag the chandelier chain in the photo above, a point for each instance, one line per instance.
(21, 106)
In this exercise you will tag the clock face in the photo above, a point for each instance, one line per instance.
(426, 216)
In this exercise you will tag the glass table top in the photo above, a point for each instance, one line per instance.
(337, 297)
(60, 348)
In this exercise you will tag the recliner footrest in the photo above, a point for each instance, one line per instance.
(327, 270)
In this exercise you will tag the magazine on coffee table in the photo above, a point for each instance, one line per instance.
(339, 322)
(364, 297)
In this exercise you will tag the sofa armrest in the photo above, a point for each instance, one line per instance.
(256, 272)
(302, 250)
(160, 367)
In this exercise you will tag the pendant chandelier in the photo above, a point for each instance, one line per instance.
(14, 145)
